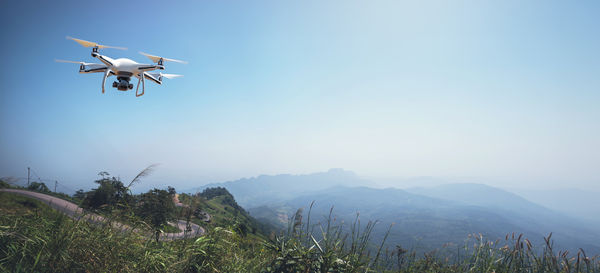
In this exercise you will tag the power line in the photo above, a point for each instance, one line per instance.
(30, 171)
(39, 179)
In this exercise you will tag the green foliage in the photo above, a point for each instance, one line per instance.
(335, 251)
(79, 194)
(4, 184)
(224, 197)
(224, 212)
(35, 238)
(114, 200)
(156, 208)
(107, 196)
(38, 186)
(210, 193)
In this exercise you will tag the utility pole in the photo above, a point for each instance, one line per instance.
(28, 170)
(55, 182)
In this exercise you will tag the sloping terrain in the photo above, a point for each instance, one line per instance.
(74, 211)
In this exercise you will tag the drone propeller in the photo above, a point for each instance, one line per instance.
(170, 76)
(159, 76)
(157, 59)
(93, 44)
(73, 62)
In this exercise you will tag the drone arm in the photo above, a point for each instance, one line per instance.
(104, 59)
(156, 78)
(92, 68)
(149, 67)
(106, 74)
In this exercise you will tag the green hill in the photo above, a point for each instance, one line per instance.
(222, 211)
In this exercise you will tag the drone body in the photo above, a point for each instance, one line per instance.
(124, 69)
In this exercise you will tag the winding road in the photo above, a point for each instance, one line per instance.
(76, 212)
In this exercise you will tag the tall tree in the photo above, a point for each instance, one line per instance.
(41, 187)
(156, 207)
(109, 193)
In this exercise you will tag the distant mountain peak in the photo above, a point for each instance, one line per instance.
(340, 170)
(265, 189)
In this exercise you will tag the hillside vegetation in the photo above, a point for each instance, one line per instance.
(35, 238)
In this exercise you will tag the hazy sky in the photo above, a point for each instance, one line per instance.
(502, 91)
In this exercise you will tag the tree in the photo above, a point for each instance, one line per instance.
(156, 208)
(104, 174)
(109, 193)
(79, 194)
(4, 184)
(41, 187)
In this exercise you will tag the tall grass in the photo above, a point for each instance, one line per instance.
(42, 240)
(329, 247)
(323, 247)
(513, 254)
(34, 238)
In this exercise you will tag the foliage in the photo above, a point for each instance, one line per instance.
(79, 194)
(108, 195)
(38, 186)
(224, 211)
(156, 208)
(225, 197)
(4, 184)
(112, 198)
(35, 238)
(334, 251)
(210, 193)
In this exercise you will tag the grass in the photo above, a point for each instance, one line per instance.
(34, 238)
(170, 229)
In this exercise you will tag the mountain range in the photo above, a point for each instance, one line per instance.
(423, 218)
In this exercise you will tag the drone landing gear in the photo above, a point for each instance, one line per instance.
(140, 79)
(106, 74)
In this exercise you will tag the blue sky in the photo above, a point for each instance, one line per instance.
(503, 91)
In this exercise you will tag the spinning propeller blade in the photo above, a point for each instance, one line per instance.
(159, 76)
(73, 62)
(93, 44)
(156, 59)
(170, 76)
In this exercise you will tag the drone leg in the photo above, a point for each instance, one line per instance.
(106, 73)
(138, 86)
(143, 85)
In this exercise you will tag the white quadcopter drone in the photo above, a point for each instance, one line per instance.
(123, 68)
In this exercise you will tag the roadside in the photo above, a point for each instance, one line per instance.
(188, 230)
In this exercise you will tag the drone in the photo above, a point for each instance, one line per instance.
(123, 68)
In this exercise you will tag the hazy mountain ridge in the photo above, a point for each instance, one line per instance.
(430, 222)
(518, 210)
(423, 229)
(576, 202)
(504, 202)
(267, 189)
(423, 217)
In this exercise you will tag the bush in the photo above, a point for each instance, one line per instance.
(38, 186)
